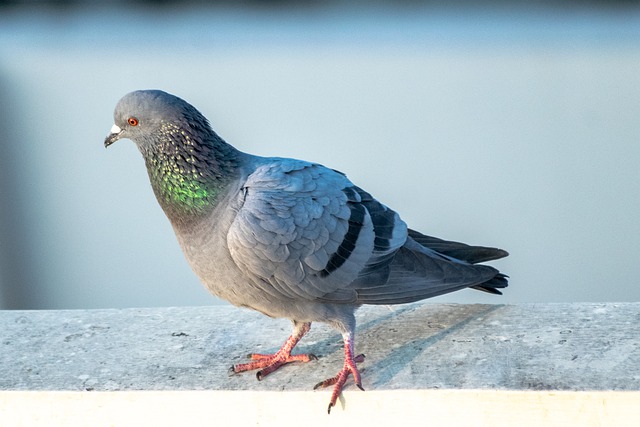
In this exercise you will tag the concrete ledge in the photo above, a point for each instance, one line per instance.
(535, 364)
(490, 408)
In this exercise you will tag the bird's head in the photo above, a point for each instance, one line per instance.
(144, 116)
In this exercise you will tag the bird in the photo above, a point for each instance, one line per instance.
(285, 237)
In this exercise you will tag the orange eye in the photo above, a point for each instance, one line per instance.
(132, 121)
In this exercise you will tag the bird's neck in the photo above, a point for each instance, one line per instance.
(190, 175)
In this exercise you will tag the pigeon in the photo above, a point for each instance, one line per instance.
(288, 238)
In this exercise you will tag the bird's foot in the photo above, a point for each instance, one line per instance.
(268, 363)
(339, 380)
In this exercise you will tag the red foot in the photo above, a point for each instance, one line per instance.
(339, 380)
(268, 363)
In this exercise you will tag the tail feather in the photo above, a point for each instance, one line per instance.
(492, 286)
(461, 251)
(418, 272)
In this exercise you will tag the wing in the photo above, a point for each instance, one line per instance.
(307, 232)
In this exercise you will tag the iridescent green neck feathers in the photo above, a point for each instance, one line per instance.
(188, 174)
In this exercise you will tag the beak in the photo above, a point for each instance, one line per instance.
(113, 136)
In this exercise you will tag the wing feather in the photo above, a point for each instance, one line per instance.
(307, 231)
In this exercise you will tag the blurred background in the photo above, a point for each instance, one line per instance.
(515, 124)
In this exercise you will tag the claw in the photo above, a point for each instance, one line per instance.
(322, 384)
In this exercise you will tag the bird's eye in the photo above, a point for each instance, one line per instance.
(133, 121)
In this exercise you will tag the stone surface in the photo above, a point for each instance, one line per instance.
(475, 408)
(571, 347)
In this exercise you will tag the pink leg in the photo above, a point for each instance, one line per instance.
(349, 367)
(268, 363)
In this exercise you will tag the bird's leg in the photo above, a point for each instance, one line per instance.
(349, 368)
(268, 363)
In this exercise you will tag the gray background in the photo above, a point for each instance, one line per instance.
(514, 126)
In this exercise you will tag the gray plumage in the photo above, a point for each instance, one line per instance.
(287, 237)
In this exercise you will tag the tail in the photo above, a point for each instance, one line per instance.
(461, 251)
(426, 267)
(470, 254)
